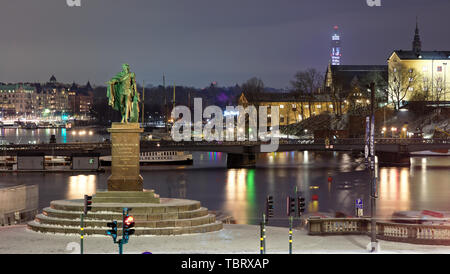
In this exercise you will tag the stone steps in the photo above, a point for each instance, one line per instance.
(43, 219)
(43, 228)
(50, 212)
(169, 217)
(147, 196)
(166, 206)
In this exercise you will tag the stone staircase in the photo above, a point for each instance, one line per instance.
(165, 217)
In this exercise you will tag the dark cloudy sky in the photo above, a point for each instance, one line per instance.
(195, 42)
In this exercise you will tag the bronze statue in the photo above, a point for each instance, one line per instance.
(123, 95)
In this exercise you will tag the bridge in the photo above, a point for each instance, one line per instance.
(390, 151)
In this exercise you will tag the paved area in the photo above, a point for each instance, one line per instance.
(237, 239)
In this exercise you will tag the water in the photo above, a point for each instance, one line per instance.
(241, 193)
(42, 135)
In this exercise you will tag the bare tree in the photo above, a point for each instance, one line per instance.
(401, 81)
(253, 87)
(306, 83)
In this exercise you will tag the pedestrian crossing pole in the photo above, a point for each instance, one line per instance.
(263, 235)
(290, 234)
(81, 232)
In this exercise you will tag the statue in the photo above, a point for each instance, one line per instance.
(123, 96)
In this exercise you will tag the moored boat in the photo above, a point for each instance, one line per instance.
(157, 158)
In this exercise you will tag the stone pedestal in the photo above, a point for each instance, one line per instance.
(125, 149)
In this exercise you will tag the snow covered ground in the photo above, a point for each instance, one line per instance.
(233, 239)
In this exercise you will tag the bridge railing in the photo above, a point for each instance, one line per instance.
(106, 145)
(408, 233)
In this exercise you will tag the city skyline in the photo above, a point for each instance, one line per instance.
(194, 44)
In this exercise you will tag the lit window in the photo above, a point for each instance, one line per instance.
(281, 106)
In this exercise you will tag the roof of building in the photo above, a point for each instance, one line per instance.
(425, 55)
(16, 86)
(346, 74)
(358, 68)
(284, 97)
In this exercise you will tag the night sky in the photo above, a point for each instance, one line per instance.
(195, 42)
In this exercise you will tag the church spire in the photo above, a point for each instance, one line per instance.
(417, 44)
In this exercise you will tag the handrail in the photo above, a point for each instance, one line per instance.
(399, 232)
(348, 141)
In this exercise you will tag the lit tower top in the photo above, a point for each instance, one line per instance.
(336, 47)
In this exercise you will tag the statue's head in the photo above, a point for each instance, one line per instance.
(126, 68)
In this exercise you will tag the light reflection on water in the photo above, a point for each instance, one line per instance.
(80, 185)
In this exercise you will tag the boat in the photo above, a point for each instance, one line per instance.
(157, 158)
(10, 125)
(30, 125)
(443, 152)
(425, 217)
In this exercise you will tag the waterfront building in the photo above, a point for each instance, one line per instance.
(419, 75)
(17, 99)
(81, 99)
(293, 108)
(347, 84)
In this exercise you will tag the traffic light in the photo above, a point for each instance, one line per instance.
(301, 205)
(128, 224)
(290, 206)
(87, 204)
(113, 231)
(269, 206)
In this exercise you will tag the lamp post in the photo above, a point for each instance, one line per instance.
(373, 178)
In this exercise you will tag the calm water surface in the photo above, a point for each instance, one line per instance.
(242, 192)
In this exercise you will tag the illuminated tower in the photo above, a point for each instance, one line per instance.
(336, 47)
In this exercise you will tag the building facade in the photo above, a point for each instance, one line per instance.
(17, 99)
(292, 108)
(81, 99)
(347, 84)
(417, 75)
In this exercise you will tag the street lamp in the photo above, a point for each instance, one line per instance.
(393, 130)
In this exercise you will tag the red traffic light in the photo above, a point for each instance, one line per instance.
(129, 220)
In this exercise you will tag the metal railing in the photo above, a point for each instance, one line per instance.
(408, 233)
(162, 143)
